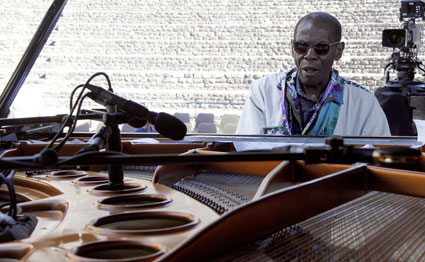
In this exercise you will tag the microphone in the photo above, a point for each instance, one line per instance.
(167, 125)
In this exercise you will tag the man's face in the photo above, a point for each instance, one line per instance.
(314, 69)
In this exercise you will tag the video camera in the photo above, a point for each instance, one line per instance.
(410, 35)
(404, 97)
(406, 43)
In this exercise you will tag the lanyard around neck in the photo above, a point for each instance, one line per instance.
(316, 111)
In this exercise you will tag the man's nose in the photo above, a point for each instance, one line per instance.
(311, 54)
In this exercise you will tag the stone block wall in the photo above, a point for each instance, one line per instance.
(180, 55)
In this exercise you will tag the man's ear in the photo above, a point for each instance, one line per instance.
(339, 50)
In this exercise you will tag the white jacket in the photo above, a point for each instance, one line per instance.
(360, 114)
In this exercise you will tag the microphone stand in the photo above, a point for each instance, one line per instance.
(115, 171)
(112, 136)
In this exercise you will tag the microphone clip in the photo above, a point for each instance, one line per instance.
(123, 118)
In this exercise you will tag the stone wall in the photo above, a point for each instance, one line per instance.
(176, 55)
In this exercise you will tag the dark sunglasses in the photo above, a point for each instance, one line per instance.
(320, 49)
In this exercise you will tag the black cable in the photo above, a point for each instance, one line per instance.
(67, 119)
(72, 128)
(3, 179)
(72, 95)
(12, 194)
(72, 108)
(388, 65)
(98, 74)
(419, 65)
(106, 77)
(80, 102)
(93, 76)
(9, 175)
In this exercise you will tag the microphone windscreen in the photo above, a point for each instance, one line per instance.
(170, 126)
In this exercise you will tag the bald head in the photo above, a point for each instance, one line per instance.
(323, 18)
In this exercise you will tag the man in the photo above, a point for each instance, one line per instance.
(312, 99)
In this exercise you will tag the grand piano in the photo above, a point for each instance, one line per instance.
(204, 197)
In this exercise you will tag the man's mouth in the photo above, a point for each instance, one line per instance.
(310, 70)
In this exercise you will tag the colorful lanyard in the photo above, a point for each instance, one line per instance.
(316, 112)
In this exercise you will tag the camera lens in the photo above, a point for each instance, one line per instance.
(396, 37)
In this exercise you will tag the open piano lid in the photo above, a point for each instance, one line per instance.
(30, 56)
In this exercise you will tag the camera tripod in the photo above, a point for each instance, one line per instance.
(398, 101)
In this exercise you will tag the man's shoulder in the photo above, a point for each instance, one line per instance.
(267, 86)
(354, 87)
(358, 95)
(269, 81)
